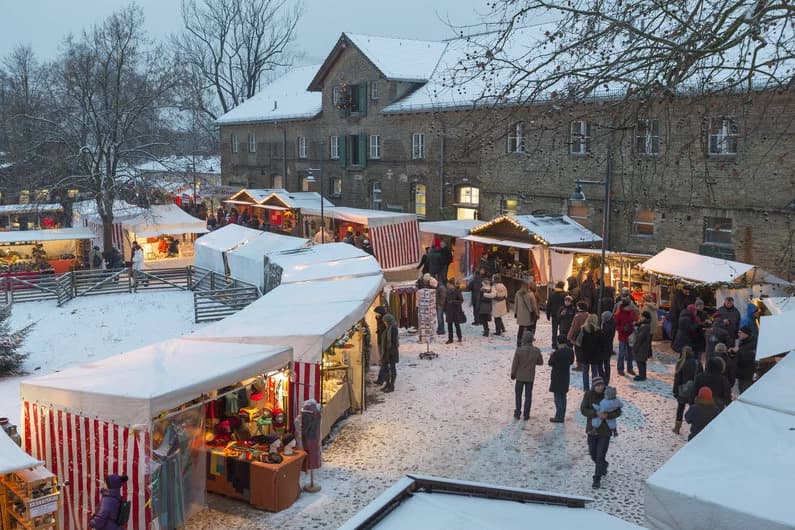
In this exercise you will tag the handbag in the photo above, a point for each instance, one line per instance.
(461, 317)
(685, 392)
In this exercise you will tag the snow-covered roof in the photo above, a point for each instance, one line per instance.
(779, 304)
(163, 220)
(362, 216)
(256, 194)
(54, 234)
(12, 457)
(775, 335)
(456, 228)
(121, 209)
(400, 59)
(210, 248)
(10, 209)
(167, 374)
(298, 199)
(325, 262)
(695, 267)
(286, 98)
(247, 261)
(182, 164)
(549, 229)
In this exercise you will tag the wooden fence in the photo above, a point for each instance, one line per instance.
(30, 287)
(209, 305)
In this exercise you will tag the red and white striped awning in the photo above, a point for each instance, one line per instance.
(306, 380)
(396, 245)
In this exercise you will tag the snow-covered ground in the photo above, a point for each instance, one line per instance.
(451, 416)
(90, 328)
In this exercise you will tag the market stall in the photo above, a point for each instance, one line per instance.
(284, 211)
(517, 247)
(432, 233)
(166, 233)
(395, 237)
(34, 251)
(84, 214)
(247, 261)
(185, 415)
(31, 216)
(211, 249)
(621, 268)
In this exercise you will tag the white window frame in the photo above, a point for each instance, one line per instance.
(418, 146)
(509, 206)
(252, 143)
(376, 195)
(277, 181)
(580, 138)
(336, 187)
(647, 143)
(302, 147)
(235, 143)
(374, 95)
(334, 147)
(723, 134)
(305, 184)
(375, 147)
(639, 225)
(420, 207)
(335, 96)
(469, 195)
(516, 138)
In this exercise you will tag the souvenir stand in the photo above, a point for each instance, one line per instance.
(516, 247)
(247, 199)
(211, 249)
(621, 268)
(56, 250)
(247, 261)
(185, 416)
(395, 237)
(31, 216)
(166, 233)
(29, 493)
(453, 232)
(84, 214)
(284, 211)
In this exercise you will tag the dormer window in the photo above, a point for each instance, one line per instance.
(350, 99)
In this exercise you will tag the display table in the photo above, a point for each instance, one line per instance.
(272, 487)
(334, 408)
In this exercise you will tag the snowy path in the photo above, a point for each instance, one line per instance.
(452, 417)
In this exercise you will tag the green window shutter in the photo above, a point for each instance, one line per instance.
(363, 99)
(342, 139)
(362, 149)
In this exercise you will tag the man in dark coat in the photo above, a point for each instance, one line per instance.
(716, 381)
(746, 358)
(641, 351)
(588, 293)
(380, 311)
(731, 317)
(608, 337)
(474, 287)
(110, 504)
(453, 311)
(390, 351)
(555, 302)
(435, 263)
(446, 258)
(424, 261)
(679, 302)
(566, 316)
(523, 371)
(701, 412)
(717, 334)
(560, 360)
(599, 437)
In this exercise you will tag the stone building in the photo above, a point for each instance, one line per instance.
(385, 127)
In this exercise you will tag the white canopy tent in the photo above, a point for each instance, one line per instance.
(12, 457)
(53, 234)
(322, 262)
(779, 304)
(166, 219)
(695, 268)
(247, 261)
(711, 483)
(776, 335)
(454, 228)
(211, 248)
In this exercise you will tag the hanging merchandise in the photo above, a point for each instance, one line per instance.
(426, 310)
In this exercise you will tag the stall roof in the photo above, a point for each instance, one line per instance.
(695, 267)
(134, 387)
(455, 228)
(11, 209)
(12, 457)
(256, 195)
(280, 317)
(54, 234)
(779, 304)
(362, 216)
(548, 229)
(247, 261)
(495, 241)
(296, 200)
(121, 210)
(775, 335)
(163, 220)
(595, 251)
(322, 262)
(777, 392)
(445, 503)
(210, 247)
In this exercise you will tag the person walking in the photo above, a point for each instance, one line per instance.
(715, 378)
(423, 265)
(484, 311)
(453, 310)
(701, 412)
(746, 358)
(97, 262)
(598, 437)
(556, 300)
(523, 371)
(750, 319)
(475, 286)
(641, 350)
(499, 306)
(525, 310)
(445, 258)
(566, 317)
(625, 318)
(380, 326)
(687, 368)
(591, 349)
(685, 329)
(137, 264)
(390, 348)
(560, 360)
(441, 297)
(573, 335)
(588, 292)
(608, 336)
(651, 307)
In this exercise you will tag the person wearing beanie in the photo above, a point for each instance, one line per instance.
(625, 319)
(598, 436)
(389, 348)
(560, 360)
(714, 378)
(703, 411)
(487, 295)
(573, 335)
(729, 362)
(523, 371)
(607, 405)
(746, 358)
(641, 350)
(750, 319)
(717, 334)
(566, 317)
(590, 349)
(453, 310)
(608, 337)
(556, 301)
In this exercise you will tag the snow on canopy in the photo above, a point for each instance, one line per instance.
(549, 229)
(297, 200)
(52, 234)
(775, 335)
(322, 262)
(284, 99)
(456, 228)
(247, 261)
(362, 216)
(695, 267)
(210, 248)
(87, 211)
(12, 457)
(779, 304)
(164, 219)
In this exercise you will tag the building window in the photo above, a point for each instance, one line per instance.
(469, 195)
(717, 231)
(516, 138)
(235, 144)
(356, 148)
(580, 138)
(375, 195)
(374, 91)
(647, 137)
(302, 147)
(24, 197)
(305, 184)
(417, 146)
(579, 212)
(277, 181)
(509, 206)
(375, 146)
(643, 223)
(252, 143)
(419, 200)
(350, 99)
(335, 96)
(334, 147)
(723, 136)
(335, 187)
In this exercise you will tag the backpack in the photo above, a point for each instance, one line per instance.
(124, 513)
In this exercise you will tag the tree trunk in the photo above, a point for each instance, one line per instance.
(107, 232)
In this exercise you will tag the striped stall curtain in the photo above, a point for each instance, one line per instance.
(306, 384)
(396, 245)
(117, 235)
(83, 451)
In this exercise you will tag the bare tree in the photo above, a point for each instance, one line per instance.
(228, 46)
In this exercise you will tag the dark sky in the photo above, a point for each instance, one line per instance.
(25, 21)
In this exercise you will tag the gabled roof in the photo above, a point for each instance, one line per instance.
(397, 59)
(298, 199)
(256, 195)
(284, 99)
(546, 229)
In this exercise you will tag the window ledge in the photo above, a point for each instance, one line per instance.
(721, 155)
(643, 236)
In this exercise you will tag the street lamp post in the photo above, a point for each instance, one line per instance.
(310, 178)
(578, 195)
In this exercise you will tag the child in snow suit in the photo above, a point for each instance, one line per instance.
(107, 518)
(608, 404)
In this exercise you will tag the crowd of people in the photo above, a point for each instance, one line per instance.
(223, 217)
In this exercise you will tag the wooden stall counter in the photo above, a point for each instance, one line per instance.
(272, 487)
